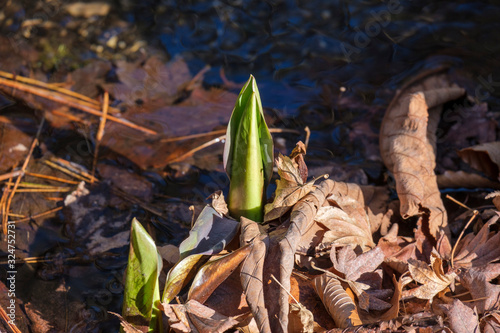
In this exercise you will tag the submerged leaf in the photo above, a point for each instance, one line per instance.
(142, 293)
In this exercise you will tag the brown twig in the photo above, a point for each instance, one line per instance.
(57, 179)
(71, 102)
(5, 217)
(9, 175)
(32, 217)
(7, 321)
(221, 138)
(474, 214)
(100, 133)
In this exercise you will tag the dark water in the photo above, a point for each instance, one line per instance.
(329, 65)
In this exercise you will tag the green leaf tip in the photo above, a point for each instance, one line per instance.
(142, 293)
(248, 154)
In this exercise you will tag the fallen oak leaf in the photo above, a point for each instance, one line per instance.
(433, 279)
(197, 318)
(290, 188)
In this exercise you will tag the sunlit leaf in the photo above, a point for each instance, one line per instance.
(214, 272)
(290, 188)
(142, 293)
(210, 234)
(180, 275)
(248, 154)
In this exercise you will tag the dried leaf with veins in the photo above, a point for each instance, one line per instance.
(345, 218)
(339, 304)
(195, 317)
(353, 267)
(301, 219)
(300, 319)
(495, 196)
(433, 279)
(407, 146)
(484, 157)
(479, 250)
(218, 203)
(485, 294)
(462, 318)
(297, 155)
(252, 274)
(214, 272)
(290, 188)
(457, 179)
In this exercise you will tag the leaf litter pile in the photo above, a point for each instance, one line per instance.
(330, 255)
(315, 265)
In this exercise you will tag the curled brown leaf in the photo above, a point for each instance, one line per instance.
(407, 146)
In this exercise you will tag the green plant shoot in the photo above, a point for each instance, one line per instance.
(142, 293)
(248, 155)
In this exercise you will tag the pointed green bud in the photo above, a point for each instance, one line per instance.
(248, 155)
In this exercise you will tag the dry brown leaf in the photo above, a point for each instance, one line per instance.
(354, 266)
(300, 319)
(213, 273)
(491, 323)
(457, 179)
(290, 188)
(218, 203)
(339, 304)
(484, 157)
(252, 274)
(297, 155)
(433, 279)
(479, 250)
(407, 146)
(195, 317)
(462, 319)
(346, 218)
(393, 312)
(495, 196)
(397, 249)
(301, 218)
(485, 294)
(126, 326)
